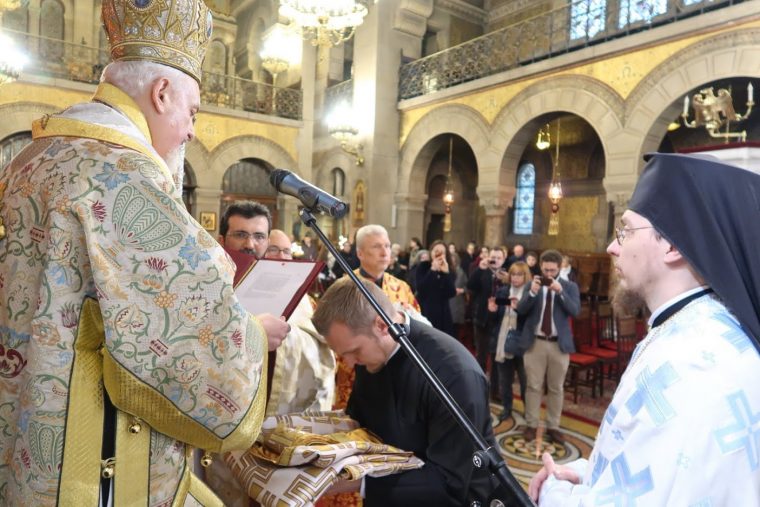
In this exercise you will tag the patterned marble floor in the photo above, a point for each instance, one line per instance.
(524, 458)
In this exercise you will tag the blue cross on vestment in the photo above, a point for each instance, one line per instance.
(627, 487)
(734, 334)
(599, 466)
(744, 433)
(649, 393)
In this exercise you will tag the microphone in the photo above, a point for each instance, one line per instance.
(312, 197)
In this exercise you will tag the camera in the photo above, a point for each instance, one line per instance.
(545, 280)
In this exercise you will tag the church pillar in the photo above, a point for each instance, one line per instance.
(392, 29)
(495, 202)
(410, 216)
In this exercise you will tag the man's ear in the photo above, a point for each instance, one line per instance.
(379, 325)
(159, 94)
(673, 256)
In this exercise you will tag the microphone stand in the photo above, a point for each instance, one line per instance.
(485, 456)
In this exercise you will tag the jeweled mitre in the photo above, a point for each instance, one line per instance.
(171, 32)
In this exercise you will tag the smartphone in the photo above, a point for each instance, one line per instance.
(545, 280)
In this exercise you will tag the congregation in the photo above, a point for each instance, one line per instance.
(136, 371)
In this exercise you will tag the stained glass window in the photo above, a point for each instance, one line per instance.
(587, 18)
(640, 10)
(525, 199)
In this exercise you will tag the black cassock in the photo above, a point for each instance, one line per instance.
(398, 405)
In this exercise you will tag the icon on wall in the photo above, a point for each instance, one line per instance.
(208, 220)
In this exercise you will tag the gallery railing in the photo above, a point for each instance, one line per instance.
(570, 27)
(79, 62)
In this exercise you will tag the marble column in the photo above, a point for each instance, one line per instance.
(410, 216)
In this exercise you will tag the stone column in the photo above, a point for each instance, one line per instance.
(392, 28)
(410, 216)
(495, 201)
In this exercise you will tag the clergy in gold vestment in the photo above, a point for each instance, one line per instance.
(122, 344)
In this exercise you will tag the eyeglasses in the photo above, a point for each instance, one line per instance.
(620, 232)
(258, 237)
(273, 250)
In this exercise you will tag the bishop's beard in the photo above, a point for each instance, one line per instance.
(175, 160)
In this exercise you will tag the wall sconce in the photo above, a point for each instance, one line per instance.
(544, 139)
(340, 126)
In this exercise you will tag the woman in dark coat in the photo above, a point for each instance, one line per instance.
(435, 286)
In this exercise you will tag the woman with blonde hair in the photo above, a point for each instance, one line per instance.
(509, 349)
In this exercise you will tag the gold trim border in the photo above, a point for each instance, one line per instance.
(80, 468)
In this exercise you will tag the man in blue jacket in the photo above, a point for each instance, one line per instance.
(547, 307)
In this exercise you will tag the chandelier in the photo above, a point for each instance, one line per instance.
(340, 125)
(12, 60)
(713, 112)
(544, 139)
(555, 190)
(325, 22)
(448, 193)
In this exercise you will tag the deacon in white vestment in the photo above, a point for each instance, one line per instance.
(683, 427)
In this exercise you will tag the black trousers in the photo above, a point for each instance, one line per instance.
(506, 377)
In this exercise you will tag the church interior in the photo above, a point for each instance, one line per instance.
(499, 122)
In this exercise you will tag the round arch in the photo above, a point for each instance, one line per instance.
(515, 126)
(18, 117)
(418, 150)
(239, 148)
(657, 99)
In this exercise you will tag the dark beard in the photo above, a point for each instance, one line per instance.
(627, 303)
(250, 251)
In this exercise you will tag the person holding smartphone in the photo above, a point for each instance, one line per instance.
(509, 356)
(547, 308)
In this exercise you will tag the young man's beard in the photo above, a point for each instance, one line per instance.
(627, 302)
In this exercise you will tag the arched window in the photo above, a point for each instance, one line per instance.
(216, 58)
(338, 182)
(12, 145)
(248, 179)
(248, 176)
(525, 199)
(51, 24)
(636, 12)
(587, 18)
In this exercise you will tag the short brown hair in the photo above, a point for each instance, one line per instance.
(551, 256)
(344, 303)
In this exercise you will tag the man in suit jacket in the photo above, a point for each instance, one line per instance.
(549, 331)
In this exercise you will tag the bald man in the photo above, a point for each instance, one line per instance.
(304, 370)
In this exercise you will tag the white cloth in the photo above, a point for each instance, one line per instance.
(684, 425)
(508, 321)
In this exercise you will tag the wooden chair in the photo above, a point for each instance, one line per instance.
(585, 344)
(581, 364)
(626, 339)
(605, 326)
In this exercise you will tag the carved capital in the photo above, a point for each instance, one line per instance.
(496, 201)
(411, 202)
(412, 19)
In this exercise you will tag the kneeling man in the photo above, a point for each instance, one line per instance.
(393, 399)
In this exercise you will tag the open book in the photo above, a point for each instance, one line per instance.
(272, 285)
